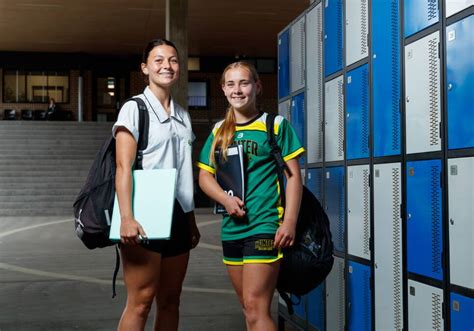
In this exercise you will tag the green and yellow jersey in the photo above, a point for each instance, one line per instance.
(262, 190)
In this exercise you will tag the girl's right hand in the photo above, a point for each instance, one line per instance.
(234, 206)
(131, 232)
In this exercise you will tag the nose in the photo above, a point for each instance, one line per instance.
(237, 89)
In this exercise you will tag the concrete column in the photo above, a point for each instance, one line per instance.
(177, 32)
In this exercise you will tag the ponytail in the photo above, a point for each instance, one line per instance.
(224, 136)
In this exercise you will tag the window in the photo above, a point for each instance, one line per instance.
(35, 86)
(197, 95)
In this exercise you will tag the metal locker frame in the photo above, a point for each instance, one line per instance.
(425, 307)
(423, 97)
(284, 109)
(419, 14)
(335, 294)
(462, 310)
(297, 55)
(333, 36)
(284, 64)
(316, 308)
(357, 30)
(335, 205)
(461, 221)
(455, 6)
(314, 182)
(424, 218)
(314, 85)
(358, 212)
(297, 119)
(359, 296)
(357, 113)
(334, 120)
(388, 258)
(386, 88)
(460, 79)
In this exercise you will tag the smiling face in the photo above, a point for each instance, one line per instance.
(241, 89)
(162, 66)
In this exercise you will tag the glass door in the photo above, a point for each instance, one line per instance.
(110, 93)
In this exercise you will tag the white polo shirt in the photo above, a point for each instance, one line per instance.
(170, 141)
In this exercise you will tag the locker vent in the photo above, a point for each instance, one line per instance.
(365, 174)
(319, 85)
(340, 224)
(366, 293)
(302, 53)
(435, 220)
(395, 90)
(340, 127)
(365, 113)
(436, 317)
(433, 90)
(432, 9)
(363, 29)
(340, 299)
(339, 34)
(397, 247)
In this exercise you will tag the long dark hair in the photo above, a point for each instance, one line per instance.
(152, 44)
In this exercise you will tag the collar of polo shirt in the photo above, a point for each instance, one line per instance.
(158, 109)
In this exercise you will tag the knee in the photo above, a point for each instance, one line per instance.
(141, 304)
(168, 303)
(251, 309)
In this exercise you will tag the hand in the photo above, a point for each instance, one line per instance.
(285, 235)
(131, 232)
(234, 206)
(195, 235)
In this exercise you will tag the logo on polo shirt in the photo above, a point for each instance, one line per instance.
(240, 135)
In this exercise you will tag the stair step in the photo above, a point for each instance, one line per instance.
(29, 191)
(39, 205)
(36, 179)
(66, 212)
(27, 163)
(47, 198)
(44, 185)
(52, 166)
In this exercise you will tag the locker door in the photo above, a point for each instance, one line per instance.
(335, 292)
(297, 119)
(386, 77)
(314, 182)
(333, 36)
(314, 85)
(357, 29)
(455, 6)
(460, 79)
(388, 247)
(316, 307)
(283, 64)
(334, 120)
(334, 202)
(424, 218)
(461, 221)
(422, 85)
(284, 109)
(357, 113)
(297, 55)
(420, 14)
(358, 214)
(359, 297)
(425, 307)
(462, 310)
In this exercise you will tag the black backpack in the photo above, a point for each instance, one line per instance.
(307, 263)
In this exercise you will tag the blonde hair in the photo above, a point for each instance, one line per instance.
(225, 134)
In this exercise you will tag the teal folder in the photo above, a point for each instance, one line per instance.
(152, 202)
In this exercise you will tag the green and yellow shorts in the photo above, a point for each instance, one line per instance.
(253, 249)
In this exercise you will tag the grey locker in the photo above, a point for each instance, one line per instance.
(314, 81)
(284, 109)
(297, 55)
(358, 213)
(425, 307)
(357, 29)
(335, 293)
(388, 259)
(455, 6)
(422, 95)
(334, 119)
(461, 221)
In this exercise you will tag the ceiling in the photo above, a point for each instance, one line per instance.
(122, 27)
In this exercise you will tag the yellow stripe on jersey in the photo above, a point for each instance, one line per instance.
(206, 167)
(294, 154)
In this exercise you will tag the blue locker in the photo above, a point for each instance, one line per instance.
(357, 113)
(333, 36)
(386, 78)
(419, 14)
(284, 64)
(300, 308)
(297, 119)
(424, 218)
(462, 312)
(316, 307)
(335, 205)
(359, 297)
(314, 182)
(460, 79)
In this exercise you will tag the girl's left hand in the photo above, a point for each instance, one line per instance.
(285, 235)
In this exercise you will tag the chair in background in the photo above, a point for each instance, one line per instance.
(9, 114)
(26, 114)
(40, 115)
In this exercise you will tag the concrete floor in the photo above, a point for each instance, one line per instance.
(50, 281)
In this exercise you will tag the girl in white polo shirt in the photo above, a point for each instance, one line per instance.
(155, 270)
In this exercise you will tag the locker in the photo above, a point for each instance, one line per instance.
(357, 113)
(455, 6)
(284, 64)
(386, 77)
(358, 213)
(334, 120)
(334, 203)
(314, 85)
(333, 36)
(462, 312)
(422, 88)
(425, 307)
(419, 14)
(314, 182)
(357, 30)
(424, 218)
(388, 259)
(297, 119)
(460, 79)
(300, 308)
(461, 221)
(316, 307)
(335, 293)
(297, 55)
(284, 109)
(359, 297)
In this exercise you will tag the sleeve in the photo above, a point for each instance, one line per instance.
(288, 141)
(128, 119)
(204, 161)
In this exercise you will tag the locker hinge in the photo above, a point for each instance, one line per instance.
(443, 310)
(439, 50)
(402, 212)
(440, 131)
(441, 179)
(370, 180)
